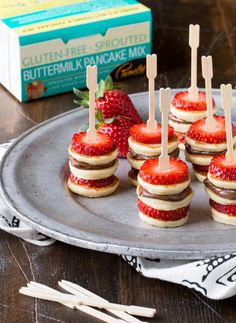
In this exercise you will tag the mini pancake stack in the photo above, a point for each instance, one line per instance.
(202, 144)
(164, 196)
(220, 185)
(145, 145)
(184, 111)
(92, 165)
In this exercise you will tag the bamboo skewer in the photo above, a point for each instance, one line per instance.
(207, 73)
(194, 44)
(78, 301)
(227, 103)
(151, 75)
(164, 159)
(91, 81)
(78, 290)
(35, 287)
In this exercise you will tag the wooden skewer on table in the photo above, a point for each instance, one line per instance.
(91, 81)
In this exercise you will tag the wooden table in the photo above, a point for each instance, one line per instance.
(105, 274)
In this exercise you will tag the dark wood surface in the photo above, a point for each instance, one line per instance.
(105, 274)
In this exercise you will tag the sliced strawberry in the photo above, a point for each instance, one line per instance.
(181, 136)
(118, 130)
(140, 133)
(173, 215)
(200, 168)
(199, 132)
(181, 101)
(92, 183)
(226, 209)
(221, 169)
(101, 146)
(177, 173)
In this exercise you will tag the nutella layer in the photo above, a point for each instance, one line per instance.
(228, 194)
(133, 173)
(177, 120)
(170, 198)
(133, 155)
(85, 166)
(192, 151)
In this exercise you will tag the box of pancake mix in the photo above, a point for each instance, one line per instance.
(45, 45)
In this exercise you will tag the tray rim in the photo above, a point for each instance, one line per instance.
(87, 243)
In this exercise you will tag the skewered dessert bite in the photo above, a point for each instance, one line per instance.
(221, 178)
(202, 144)
(92, 155)
(185, 111)
(144, 145)
(92, 165)
(164, 194)
(189, 106)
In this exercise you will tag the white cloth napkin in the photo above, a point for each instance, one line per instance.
(215, 278)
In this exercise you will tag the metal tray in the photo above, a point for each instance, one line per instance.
(33, 184)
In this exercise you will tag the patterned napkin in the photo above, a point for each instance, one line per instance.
(215, 278)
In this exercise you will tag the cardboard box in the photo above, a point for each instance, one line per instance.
(46, 45)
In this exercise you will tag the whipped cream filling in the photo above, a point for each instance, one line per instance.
(93, 174)
(94, 160)
(151, 149)
(163, 189)
(161, 223)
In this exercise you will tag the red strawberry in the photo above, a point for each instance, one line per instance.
(200, 168)
(199, 132)
(177, 173)
(181, 101)
(118, 129)
(173, 215)
(140, 133)
(92, 183)
(111, 101)
(81, 145)
(226, 209)
(221, 169)
(181, 136)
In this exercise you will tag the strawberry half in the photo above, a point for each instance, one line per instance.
(181, 101)
(199, 132)
(181, 136)
(221, 169)
(92, 183)
(226, 209)
(200, 168)
(111, 101)
(118, 129)
(140, 133)
(173, 215)
(101, 146)
(177, 173)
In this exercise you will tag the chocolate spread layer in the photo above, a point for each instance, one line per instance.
(133, 173)
(133, 155)
(177, 120)
(222, 192)
(192, 151)
(171, 198)
(85, 166)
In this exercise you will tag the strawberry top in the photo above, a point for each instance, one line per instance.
(140, 133)
(199, 132)
(177, 172)
(181, 101)
(221, 169)
(101, 146)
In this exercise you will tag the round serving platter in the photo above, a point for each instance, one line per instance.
(33, 179)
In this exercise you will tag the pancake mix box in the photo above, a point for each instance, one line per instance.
(46, 45)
